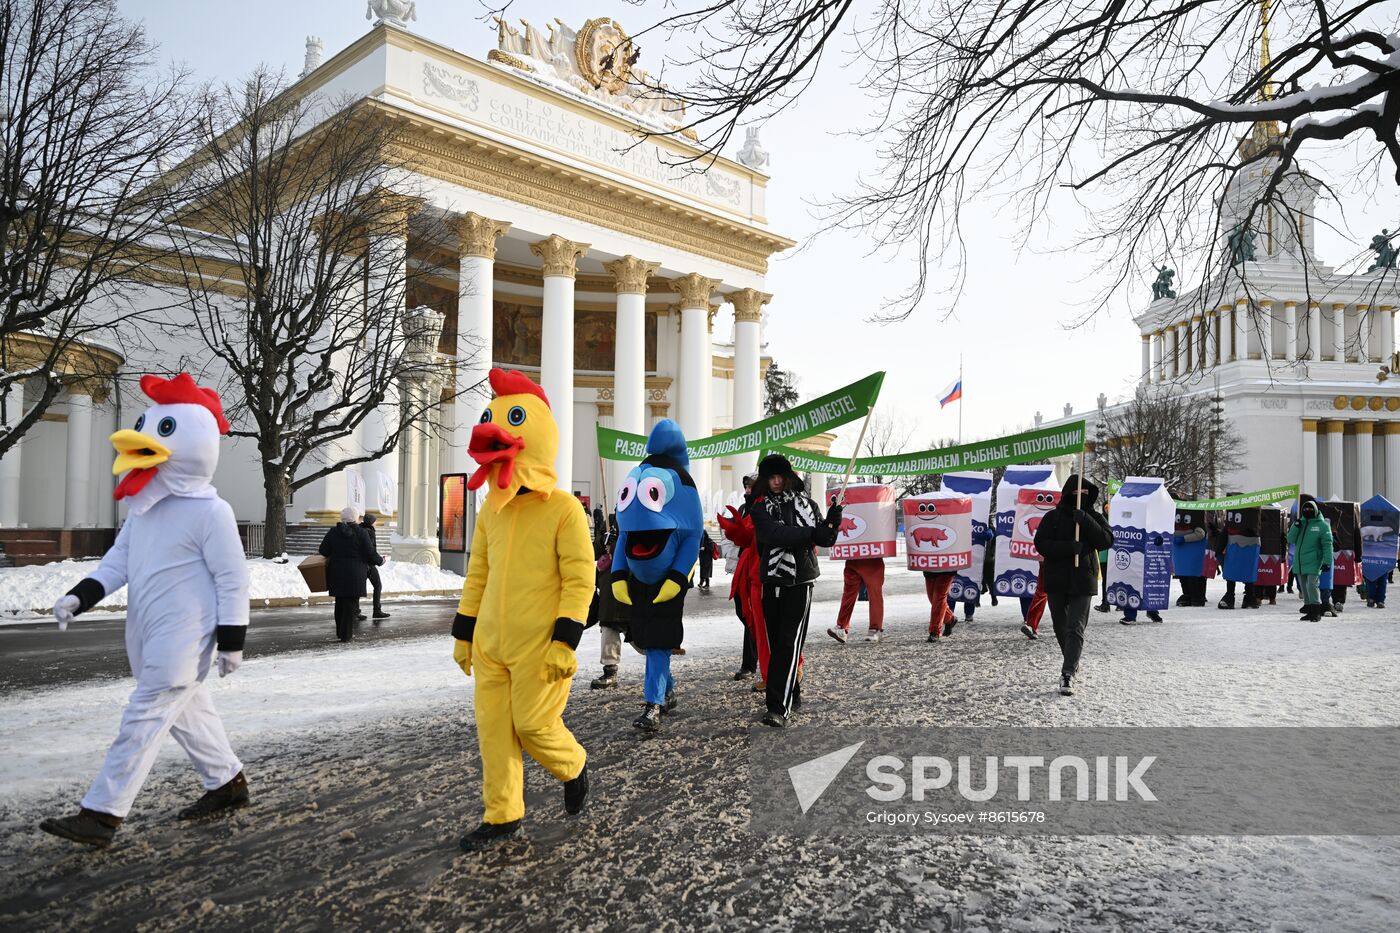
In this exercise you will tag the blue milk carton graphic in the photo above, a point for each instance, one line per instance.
(1016, 576)
(1380, 537)
(1143, 519)
(967, 585)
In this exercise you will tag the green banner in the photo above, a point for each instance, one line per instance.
(804, 420)
(1243, 500)
(979, 455)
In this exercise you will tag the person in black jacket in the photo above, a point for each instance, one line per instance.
(788, 525)
(376, 561)
(1068, 539)
(707, 559)
(348, 555)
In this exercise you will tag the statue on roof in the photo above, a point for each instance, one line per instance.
(1384, 249)
(391, 12)
(1241, 243)
(1162, 288)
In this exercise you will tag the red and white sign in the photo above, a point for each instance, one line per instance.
(938, 532)
(1032, 505)
(867, 523)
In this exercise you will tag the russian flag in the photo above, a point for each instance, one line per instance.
(951, 394)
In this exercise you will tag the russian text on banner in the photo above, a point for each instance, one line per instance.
(979, 455)
(1243, 500)
(801, 421)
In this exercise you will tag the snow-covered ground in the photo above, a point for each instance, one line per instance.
(364, 770)
(29, 591)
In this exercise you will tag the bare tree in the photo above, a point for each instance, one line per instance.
(1169, 435)
(87, 131)
(293, 252)
(1149, 108)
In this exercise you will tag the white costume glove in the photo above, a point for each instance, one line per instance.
(229, 661)
(65, 609)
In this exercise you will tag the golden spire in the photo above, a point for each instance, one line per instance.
(1264, 132)
(1267, 91)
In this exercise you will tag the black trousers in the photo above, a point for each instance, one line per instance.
(749, 661)
(377, 585)
(1070, 617)
(1194, 589)
(785, 612)
(347, 610)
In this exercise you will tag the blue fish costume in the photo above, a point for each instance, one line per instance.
(660, 523)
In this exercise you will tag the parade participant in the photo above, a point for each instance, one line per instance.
(1067, 539)
(660, 527)
(787, 527)
(746, 589)
(1033, 608)
(1189, 546)
(528, 586)
(180, 557)
(865, 537)
(941, 617)
(1311, 537)
(613, 616)
(857, 572)
(1241, 557)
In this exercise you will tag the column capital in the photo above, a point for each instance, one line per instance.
(1265, 303)
(1364, 427)
(477, 234)
(1314, 304)
(1390, 427)
(560, 256)
(1331, 427)
(1362, 307)
(1290, 303)
(630, 274)
(1310, 425)
(748, 304)
(1339, 306)
(710, 317)
(1146, 338)
(391, 210)
(694, 290)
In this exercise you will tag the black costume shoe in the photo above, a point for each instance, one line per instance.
(948, 626)
(1029, 632)
(776, 720)
(743, 674)
(576, 792)
(1182, 601)
(1125, 621)
(232, 796)
(1066, 685)
(934, 636)
(670, 704)
(1102, 607)
(608, 678)
(380, 614)
(1155, 616)
(359, 617)
(488, 834)
(1226, 602)
(89, 827)
(650, 720)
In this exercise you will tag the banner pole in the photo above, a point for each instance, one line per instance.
(961, 389)
(845, 480)
(1078, 504)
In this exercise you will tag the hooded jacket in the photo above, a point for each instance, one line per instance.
(787, 526)
(1312, 541)
(1055, 540)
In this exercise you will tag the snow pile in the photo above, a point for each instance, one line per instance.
(33, 590)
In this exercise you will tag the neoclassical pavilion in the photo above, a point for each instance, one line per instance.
(582, 250)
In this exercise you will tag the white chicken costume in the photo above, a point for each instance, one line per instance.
(181, 559)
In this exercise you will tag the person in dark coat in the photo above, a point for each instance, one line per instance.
(348, 556)
(376, 561)
(707, 559)
(1068, 540)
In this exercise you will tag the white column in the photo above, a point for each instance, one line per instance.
(630, 276)
(10, 467)
(1309, 473)
(1392, 460)
(1241, 330)
(1266, 335)
(1159, 352)
(386, 301)
(475, 325)
(1213, 337)
(560, 258)
(818, 490)
(748, 383)
(1146, 359)
(1314, 331)
(414, 539)
(1387, 333)
(1175, 332)
(1290, 330)
(1365, 461)
(1339, 331)
(1336, 478)
(1199, 326)
(78, 460)
(695, 364)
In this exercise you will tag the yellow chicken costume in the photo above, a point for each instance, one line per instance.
(529, 585)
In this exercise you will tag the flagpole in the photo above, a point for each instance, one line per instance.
(845, 480)
(960, 389)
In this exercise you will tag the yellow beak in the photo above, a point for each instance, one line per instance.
(136, 451)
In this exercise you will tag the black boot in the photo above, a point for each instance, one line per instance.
(1226, 602)
(379, 613)
(488, 834)
(609, 678)
(670, 705)
(89, 827)
(576, 792)
(232, 796)
(650, 720)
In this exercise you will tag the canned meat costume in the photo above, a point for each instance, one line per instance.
(528, 588)
(179, 556)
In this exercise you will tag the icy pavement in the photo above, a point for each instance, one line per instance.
(364, 770)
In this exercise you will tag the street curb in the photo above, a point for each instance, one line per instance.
(315, 599)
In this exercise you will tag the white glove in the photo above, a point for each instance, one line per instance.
(65, 609)
(229, 662)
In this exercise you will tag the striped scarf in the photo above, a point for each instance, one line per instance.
(782, 563)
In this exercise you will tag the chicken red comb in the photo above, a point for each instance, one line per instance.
(182, 390)
(514, 382)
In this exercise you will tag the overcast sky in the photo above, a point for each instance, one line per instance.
(1008, 323)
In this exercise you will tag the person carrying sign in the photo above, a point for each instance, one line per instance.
(1068, 539)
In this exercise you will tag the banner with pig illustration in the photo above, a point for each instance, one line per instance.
(967, 585)
(1380, 537)
(1345, 519)
(1273, 547)
(938, 532)
(1016, 576)
(867, 523)
(1142, 517)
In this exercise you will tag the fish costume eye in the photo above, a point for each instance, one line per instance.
(486, 416)
(654, 491)
(166, 426)
(516, 416)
